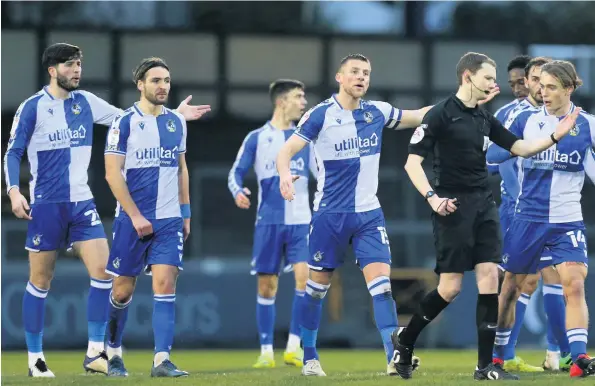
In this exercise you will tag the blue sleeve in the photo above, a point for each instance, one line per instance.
(22, 130)
(117, 136)
(311, 123)
(510, 177)
(244, 161)
(493, 169)
(497, 155)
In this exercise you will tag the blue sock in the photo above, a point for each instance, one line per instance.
(311, 313)
(294, 327)
(555, 309)
(33, 317)
(118, 314)
(577, 337)
(502, 339)
(265, 320)
(98, 309)
(385, 312)
(519, 316)
(164, 320)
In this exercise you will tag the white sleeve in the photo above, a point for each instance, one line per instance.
(103, 112)
(312, 162)
(184, 133)
(589, 165)
(392, 115)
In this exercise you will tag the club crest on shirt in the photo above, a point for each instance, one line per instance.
(574, 131)
(368, 117)
(171, 126)
(37, 239)
(418, 134)
(76, 108)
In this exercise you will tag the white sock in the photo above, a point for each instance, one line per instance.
(34, 356)
(114, 351)
(293, 343)
(266, 349)
(160, 357)
(94, 349)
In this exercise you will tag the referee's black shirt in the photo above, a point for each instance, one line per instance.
(458, 137)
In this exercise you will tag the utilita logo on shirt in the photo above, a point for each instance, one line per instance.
(295, 164)
(356, 146)
(155, 153)
(553, 159)
(74, 135)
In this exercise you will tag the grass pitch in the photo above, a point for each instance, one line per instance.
(222, 367)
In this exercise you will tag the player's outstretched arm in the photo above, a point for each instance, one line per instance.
(528, 149)
(291, 147)
(192, 113)
(412, 118)
(184, 192)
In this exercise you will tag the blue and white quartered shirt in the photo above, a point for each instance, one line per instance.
(347, 148)
(58, 135)
(259, 150)
(151, 145)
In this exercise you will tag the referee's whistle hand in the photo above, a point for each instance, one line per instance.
(443, 206)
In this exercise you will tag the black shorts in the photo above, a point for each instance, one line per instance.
(469, 236)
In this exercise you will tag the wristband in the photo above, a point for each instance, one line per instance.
(554, 140)
(185, 208)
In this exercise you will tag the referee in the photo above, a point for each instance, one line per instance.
(465, 219)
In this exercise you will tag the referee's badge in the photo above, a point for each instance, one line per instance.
(418, 134)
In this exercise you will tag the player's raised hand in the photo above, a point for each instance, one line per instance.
(242, 200)
(19, 203)
(142, 226)
(192, 113)
(443, 206)
(495, 91)
(286, 186)
(566, 124)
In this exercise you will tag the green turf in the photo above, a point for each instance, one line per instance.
(352, 367)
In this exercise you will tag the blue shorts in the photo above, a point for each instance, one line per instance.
(331, 234)
(130, 254)
(506, 214)
(526, 241)
(273, 242)
(56, 226)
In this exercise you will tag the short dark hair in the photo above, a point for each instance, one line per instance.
(60, 53)
(145, 65)
(472, 61)
(519, 62)
(280, 87)
(564, 71)
(353, 57)
(537, 61)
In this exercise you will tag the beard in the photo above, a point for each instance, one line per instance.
(153, 99)
(537, 97)
(66, 84)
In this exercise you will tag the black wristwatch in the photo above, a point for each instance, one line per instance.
(429, 194)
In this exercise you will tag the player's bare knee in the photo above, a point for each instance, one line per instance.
(165, 284)
(550, 276)
(40, 280)
(321, 277)
(574, 290)
(529, 285)
(267, 286)
(123, 288)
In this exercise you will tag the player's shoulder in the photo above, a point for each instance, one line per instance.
(30, 103)
(588, 118)
(318, 111)
(506, 107)
(124, 117)
(174, 113)
(523, 115)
